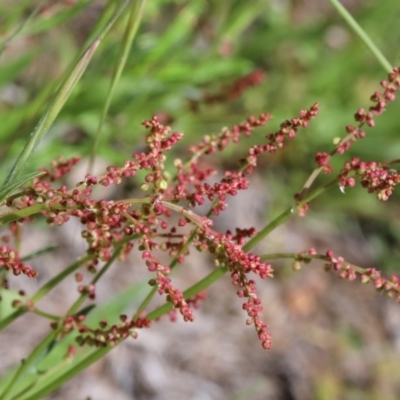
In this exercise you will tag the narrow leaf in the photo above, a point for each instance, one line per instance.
(60, 98)
(360, 32)
(8, 188)
(135, 18)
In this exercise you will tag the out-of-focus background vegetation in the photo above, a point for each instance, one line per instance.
(185, 50)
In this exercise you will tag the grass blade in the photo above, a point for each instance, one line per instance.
(135, 18)
(20, 28)
(8, 188)
(362, 35)
(60, 98)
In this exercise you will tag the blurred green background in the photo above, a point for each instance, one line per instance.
(186, 49)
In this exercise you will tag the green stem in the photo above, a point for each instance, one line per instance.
(21, 27)
(56, 383)
(25, 364)
(275, 256)
(52, 283)
(280, 219)
(40, 252)
(362, 35)
(44, 290)
(61, 96)
(44, 314)
(135, 18)
(74, 308)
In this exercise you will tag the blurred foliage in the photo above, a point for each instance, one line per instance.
(185, 49)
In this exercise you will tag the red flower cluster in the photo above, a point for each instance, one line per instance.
(10, 260)
(114, 226)
(363, 118)
(103, 335)
(366, 275)
(374, 176)
(111, 228)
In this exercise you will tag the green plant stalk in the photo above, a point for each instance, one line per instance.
(25, 364)
(77, 304)
(7, 189)
(52, 283)
(193, 290)
(40, 252)
(74, 308)
(135, 18)
(21, 27)
(40, 392)
(18, 214)
(44, 314)
(60, 98)
(360, 32)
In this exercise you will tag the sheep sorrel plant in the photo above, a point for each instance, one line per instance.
(123, 245)
(165, 220)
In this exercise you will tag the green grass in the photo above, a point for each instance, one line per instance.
(86, 89)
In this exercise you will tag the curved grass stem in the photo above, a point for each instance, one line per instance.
(360, 32)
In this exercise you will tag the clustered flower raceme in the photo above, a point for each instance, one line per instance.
(10, 260)
(240, 264)
(104, 334)
(163, 283)
(375, 177)
(234, 180)
(191, 302)
(288, 129)
(367, 275)
(363, 117)
(147, 219)
(351, 272)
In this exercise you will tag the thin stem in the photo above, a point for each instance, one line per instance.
(360, 32)
(44, 314)
(275, 256)
(319, 257)
(145, 303)
(135, 17)
(26, 364)
(310, 180)
(21, 27)
(74, 308)
(40, 252)
(52, 283)
(70, 373)
(280, 219)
